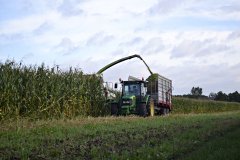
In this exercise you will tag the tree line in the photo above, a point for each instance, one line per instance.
(220, 96)
(196, 92)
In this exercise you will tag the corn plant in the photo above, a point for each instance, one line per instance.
(43, 92)
(187, 105)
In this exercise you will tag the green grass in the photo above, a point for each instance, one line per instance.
(223, 147)
(169, 137)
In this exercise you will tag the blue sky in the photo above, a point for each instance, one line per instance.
(194, 43)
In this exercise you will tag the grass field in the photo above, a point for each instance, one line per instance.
(177, 136)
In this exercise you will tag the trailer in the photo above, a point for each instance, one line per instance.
(160, 90)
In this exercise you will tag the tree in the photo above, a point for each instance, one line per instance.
(221, 96)
(234, 97)
(196, 91)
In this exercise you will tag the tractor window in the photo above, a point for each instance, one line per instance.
(143, 90)
(131, 89)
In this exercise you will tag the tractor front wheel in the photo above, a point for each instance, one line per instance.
(114, 109)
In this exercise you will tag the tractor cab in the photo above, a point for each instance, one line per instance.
(134, 88)
(132, 97)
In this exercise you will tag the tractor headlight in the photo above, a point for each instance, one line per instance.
(127, 102)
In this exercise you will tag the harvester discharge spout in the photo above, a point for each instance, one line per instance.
(121, 60)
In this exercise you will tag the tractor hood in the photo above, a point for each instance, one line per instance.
(128, 97)
(128, 100)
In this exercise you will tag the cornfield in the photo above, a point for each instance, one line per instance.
(187, 105)
(43, 92)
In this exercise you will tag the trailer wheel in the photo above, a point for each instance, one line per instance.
(143, 110)
(167, 110)
(114, 109)
(161, 111)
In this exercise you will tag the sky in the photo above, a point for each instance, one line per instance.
(193, 43)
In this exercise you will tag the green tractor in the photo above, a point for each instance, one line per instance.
(134, 99)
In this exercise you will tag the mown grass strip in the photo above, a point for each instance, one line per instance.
(221, 147)
(117, 138)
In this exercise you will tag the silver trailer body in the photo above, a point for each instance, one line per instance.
(160, 90)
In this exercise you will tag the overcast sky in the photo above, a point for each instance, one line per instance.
(192, 42)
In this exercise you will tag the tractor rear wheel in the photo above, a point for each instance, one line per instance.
(142, 111)
(114, 109)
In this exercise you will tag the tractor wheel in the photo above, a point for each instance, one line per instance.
(114, 109)
(164, 111)
(143, 110)
(148, 109)
(167, 110)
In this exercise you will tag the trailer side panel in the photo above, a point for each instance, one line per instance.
(160, 89)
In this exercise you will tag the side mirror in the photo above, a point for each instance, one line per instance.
(115, 85)
(145, 84)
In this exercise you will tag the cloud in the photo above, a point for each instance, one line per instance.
(27, 24)
(7, 38)
(27, 56)
(42, 28)
(223, 10)
(235, 70)
(165, 7)
(117, 52)
(99, 38)
(88, 65)
(66, 47)
(230, 8)
(234, 35)
(70, 8)
(212, 78)
(132, 42)
(153, 46)
(198, 48)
